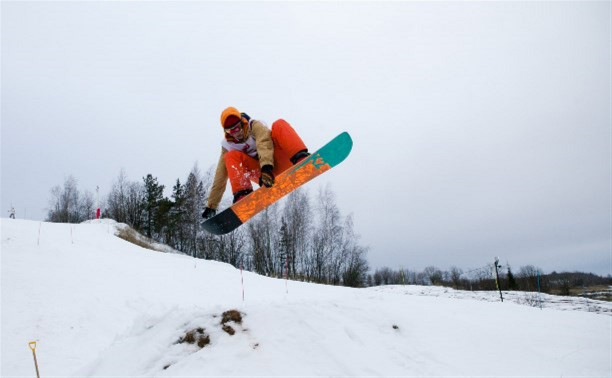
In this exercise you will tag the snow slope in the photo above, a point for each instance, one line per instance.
(100, 306)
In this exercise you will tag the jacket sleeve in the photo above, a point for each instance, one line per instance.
(263, 141)
(219, 182)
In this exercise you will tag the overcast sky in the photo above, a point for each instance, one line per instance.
(480, 129)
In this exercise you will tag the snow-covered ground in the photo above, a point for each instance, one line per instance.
(539, 300)
(100, 306)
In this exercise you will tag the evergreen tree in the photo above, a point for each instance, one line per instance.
(512, 285)
(162, 225)
(152, 202)
(284, 248)
(177, 216)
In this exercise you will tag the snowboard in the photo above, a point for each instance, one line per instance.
(320, 161)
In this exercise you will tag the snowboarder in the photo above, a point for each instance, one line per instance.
(12, 213)
(252, 152)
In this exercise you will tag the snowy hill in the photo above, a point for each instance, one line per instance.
(100, 306)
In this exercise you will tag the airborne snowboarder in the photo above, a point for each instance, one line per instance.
(252, 152)
(278, 159)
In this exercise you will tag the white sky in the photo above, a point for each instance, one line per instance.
(480, 129)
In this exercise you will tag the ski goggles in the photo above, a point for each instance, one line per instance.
(234, 129)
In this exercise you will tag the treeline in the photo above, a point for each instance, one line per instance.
(299, 237)
(527, 278)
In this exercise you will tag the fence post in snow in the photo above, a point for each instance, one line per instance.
(242, 281)
(287, 275)
(497, 278)
(539, 294)
(98, 202)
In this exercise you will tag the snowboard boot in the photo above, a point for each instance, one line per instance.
(241, 194)
(301, 155)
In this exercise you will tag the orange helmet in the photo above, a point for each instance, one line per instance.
(230, 116)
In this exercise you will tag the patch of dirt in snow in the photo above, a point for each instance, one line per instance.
(195, 336)
(198, 336)
(232, 316)
(172, 341)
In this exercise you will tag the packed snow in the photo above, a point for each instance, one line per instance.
(100, 306)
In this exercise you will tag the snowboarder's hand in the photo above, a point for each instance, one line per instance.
(209, 213)
(267, 177)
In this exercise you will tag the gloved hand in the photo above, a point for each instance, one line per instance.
(245, 116)
(209, 213)
(267, 177)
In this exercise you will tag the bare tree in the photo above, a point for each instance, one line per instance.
(87, 206)
(528, 278)
(297, 217)
(125, 201)
(327, 239)
(433, 274)
(116, 207)
(455, 276)
(194, 197)
(134, 203)
(384, 276)
(263, 236)
(355, 267)
(236, 245)
(64, 206)
(117, 199)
